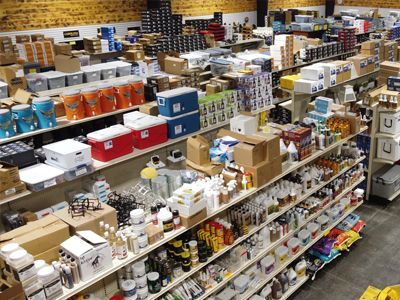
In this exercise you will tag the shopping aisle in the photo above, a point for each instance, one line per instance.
(374, 260)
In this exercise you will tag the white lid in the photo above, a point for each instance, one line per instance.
(18, 254)
(323, 219)
(304, 233)
(312, 226)
(176, 92)
(20, 107)
(293, 242)
(45, 271)
(121, 83)
(40, 263)
(66, 146)
(70, 92)
(75, 73)
(139, 266)
(41, 99)
(3, 83)
(128, 285)
(139, 121)
(153, 276)
(137, 213)
(178, 117)
(8, 248)
(164, 214)
(39, 173)
(282, 250)
(53, 74)
(4, 111)
(108, 133)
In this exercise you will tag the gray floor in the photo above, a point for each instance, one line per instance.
(373, 260)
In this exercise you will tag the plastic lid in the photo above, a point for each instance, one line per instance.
(19, 254)
(108, 133)
(11, 247)
(164, 214)
(45, 271)
(20, 107)
(128, 285)
(91, 89)
(71, 92)
(41, 99)
(293, 242)
(40, 263)
(153, 276)
(4, 111)
(105, 85)
(134, 80)
(304, 233)
(185, 254)
(137, 213)
(121, 83)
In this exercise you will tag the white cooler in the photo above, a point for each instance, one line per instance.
(388, 148)
(389, 122)
(68, 154)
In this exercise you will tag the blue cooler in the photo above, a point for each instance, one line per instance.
(23, 116)
(183, 124)
(6, 124)
(177, 101)
(44, 111)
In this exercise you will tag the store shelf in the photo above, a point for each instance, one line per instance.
(258, 111)
(248, 41)
(245, 194)
(62, 122)
(386, 135)
(15, 197)
(294, 288)
(384, 161)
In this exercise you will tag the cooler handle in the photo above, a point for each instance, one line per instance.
(161, 101)
(15, 116)
(384, 148)
(386, 125)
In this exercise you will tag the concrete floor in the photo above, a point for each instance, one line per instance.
(373, 260)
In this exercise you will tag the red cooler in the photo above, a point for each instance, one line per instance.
(111, 142)
(147, 130)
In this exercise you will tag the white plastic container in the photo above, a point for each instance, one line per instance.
(50, 279)
(36, 82)
(41, 176)
(7, 249)
(341, 208)
(107, 71)
(165, 220)
(139, 230)
(141, 282)
(323, 221)
(333, 214)
(304, 237)
(90, 74)
(35, 292)
(128, 288)
(313, 228)
(294, 246)
(282, 254)
(74, 78)
(143, 241)
(137, 216)
(138, 269)
(3, 90)
(267, 264)
(21, 264)
(40, 263)
(55, 79)
(346, 202)
(143, 293)
(241, 283)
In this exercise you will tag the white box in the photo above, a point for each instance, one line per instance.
(91, 252)
(244, 124)
(306, 86)
(389, 122)
(185, 210)
(254, 68)
(329, 73)
(312, 73)
(3, 90)
(388, 149)
(68, 154)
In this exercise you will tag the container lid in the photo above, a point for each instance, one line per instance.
(4, 111)
(3, 83)
(91, 89)
(106, 67)
(8, 248)
(121, 83)
(128, 285)
(304, 233)
(323, 219)
(139, 121)
(139, 266)
(312, 226)
(45, 271)
(268, 260)
(105, 85)
(108, 133)
(153, 276)
(40, 263)
(18, 254)
(137, 213)
(37, 100)
(282, 250)
(38, 173)
(20, 107)
(293, 242)
(53, 75)
(176, 92)
(75, 73)
(71, 93)
(67, 146)
(164, 214)
(180, 116)
(89, 69)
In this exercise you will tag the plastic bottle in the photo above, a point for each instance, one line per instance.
(301, 267)
(276, 289)
(284, 281)
(293, 153)
(112, 241)
(266, 236)
(121, 247)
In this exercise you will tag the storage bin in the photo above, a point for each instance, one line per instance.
(6, 124)
(294, 246)
(323, 221)
(55, 79)
(107, 99)
(313, 228)
(267, 264)
(389, 122)
(389, 148)
(44, 111)
(80, 171)
(182, 125)
(111, 142)
(386, 181)
(41, 176)
(220, 66)
(90, 74)
(74, 78)
(123, 68)
(147, 130)
(304, 237)
(107, 71)
(36, 82)
(177, 102)
(23, 116)
(91, 101)
(73, 105)
(282, 254)
(241, 283)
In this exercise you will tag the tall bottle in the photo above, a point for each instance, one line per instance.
(276, 289)
(102, 230)
(113, 240)
(283, 279)
(121, 247)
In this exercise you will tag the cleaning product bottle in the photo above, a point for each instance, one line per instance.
(112, 240)
(301, 267)
(267, 292)
(121, 247)
(292, 277)
(266, 236)
(276, 289)
(283, 280)
(293, 153)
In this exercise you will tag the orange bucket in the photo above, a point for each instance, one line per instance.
(74, 108)
(92, 102)
(106, 95)
(122, 91)
(137, 93)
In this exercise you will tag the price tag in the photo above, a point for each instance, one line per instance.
(50, 183)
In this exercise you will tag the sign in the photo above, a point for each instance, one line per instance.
(71, 34)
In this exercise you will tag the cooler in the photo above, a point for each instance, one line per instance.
(68, 154)
(147, 130)
(74, 78)
(177, 101)
(183, 124)
(111, 142)
(386, 181)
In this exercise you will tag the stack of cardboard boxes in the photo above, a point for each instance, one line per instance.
(10, 183)
(301, 138)
(92, 45)
(40, 52)
(7, 55)
(282, 50)
(364, 64)
(387, 70)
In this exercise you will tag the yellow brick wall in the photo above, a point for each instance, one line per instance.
(36, 14)
(373, 3)
(275, 4)
(208, 7)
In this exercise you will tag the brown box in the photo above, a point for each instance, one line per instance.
(63, 48)
(67, 63)
(11, 291)
(9, 175)
(50, 255)
(360, 63)
(37, 37)
(14, 76)
(314, 42)
(23, 38)
(370, 63)
(91, 219)
(209, 169)
(250, 152)
(175, 83)
(263, 172)
(272, 147)
(38, 236)
(212, 89)
(194, 219)
(150, 108)
(134, 55)
(174, 65)
(18, 188)
(198, 150)
(154, 233)
(7, 58)
(221, 83)
(372, 44)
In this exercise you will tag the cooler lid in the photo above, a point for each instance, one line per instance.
(66, 146)
(39, 173)
(180, 116)
(176, 92)
(108, 133)
(139, 121)
(20, 107)
(36, 100)
(387, 176)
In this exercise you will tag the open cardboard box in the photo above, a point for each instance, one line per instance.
(67, 63)
(11, 291)
(198, 150)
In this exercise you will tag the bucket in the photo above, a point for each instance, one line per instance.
(106, 95)
(23, 116)
(43, 108)
(137, 92)
(91, 101)
(6, 124)
(74, 108)
(122, 92)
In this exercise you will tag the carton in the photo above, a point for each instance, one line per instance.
(91, 219)
(50, 255)
(209, 169)
(360, 63)
(38, 236)
(18, 188)
(212, 89)
(63, 49)
(174, 65)
(150, 108)
(194, 219)
(9, 175)
(23, 38)
(198, 150)
(7, 58)
(13, 75)
(37, 37)
(134, 55)
(67, 63)
(263, 172)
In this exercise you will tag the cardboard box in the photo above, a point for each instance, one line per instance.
(87, 248)
(174, 65)
(150, 108)
(11, 291)
(37, 37)
(209, 169)
(360, 63)
(67, 63)
(250, 152)
(63, 49)
(50, 255)
(38, 236)
(355, 121)
(13, 75)
(263, 172)
(272, 146)
(134, 55)
(198, 150)
(18, 188)
(91, 219)
(154, 233)
(9, 175)
(7, 58)
(23, 38)
(212, 89)
(194, 219)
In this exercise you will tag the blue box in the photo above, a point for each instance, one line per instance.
(177, 101)
(183, 124)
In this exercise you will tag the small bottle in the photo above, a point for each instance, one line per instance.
(102, 230)
(186, 264)
(176, 219)
(276, 289)
(69, 282)
(112, 241)
(121, 247)
(134, 243)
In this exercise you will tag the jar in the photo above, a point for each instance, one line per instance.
(40, 263)
(5, 252)
(50, 279)
(165, 220)
(193, 246)
(186, 261)
(21, 264)
(137, 216)
(313, 228)
(323, 221)
(153, 282)
(129, 289)
(282, 254)
(143, 241)
(35, 292)
(73, 105)
(23, 116)
(141, 282)
(138, 269)
(143, 293)
(177, 270)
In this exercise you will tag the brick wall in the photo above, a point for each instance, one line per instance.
(373, 3)
(208, 7)
(275, 4)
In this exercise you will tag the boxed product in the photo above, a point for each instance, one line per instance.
(174, 65)
(360, 64)
(244, 124)
(91, 219)
(91, 252)
(287, 82)
(308, 86)
(389, 122)
(263, 172)
(329, 73)
(14, 76)
(182, 124)
(63, 48)
(9, 176)
(388, 148)
(150, 108)
(41, 176)
(178, 101)
(198, 150)
(7, 58)
(312, 72)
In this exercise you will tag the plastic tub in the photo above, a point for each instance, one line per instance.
(294, 245)
(137, 216)
(282, 254)
(241, 283)
(139, 229)
(323, 221)
(267, 264)
(90, 74)
(313, 228)
(41, 176)
(142, 293)
(123, 69)
(141, 282)
(333, 214)
(3, 90)
(36, 82)
(22, 265)
(55, 79)
(74, 78)
(138, 269)
(50, 279)
(346, 202)
(107, 71)
(304, 237)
